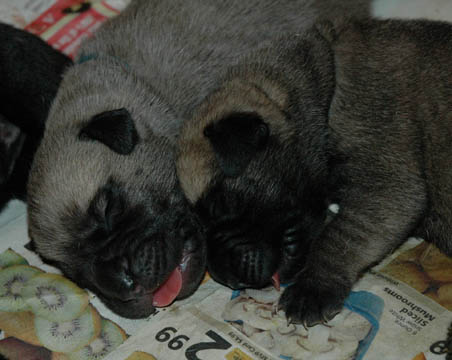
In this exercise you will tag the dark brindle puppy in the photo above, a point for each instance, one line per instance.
(105, 204)
(30, 73)
(359, 112)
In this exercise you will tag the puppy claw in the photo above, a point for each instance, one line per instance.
(276, 282)
(289, 321)
(333, 315)
(315, 322)
(325, 319)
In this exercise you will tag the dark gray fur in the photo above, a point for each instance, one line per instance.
(362, 115)
(30, 73)
(107, 209)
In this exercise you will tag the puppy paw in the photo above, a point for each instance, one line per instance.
(307, 303)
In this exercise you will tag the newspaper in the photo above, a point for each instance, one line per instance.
(398, 310)
(64, 24)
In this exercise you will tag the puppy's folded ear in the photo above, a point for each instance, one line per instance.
(11, 142)
(245, 113)
(236, 138)
(115, 129)
(230, 129)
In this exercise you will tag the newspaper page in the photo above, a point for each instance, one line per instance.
(64, 24)
(398, 310)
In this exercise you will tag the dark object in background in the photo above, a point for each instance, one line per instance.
(78, 8)
(30, 73)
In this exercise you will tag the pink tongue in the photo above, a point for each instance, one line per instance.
(169, 290)
(275, 281)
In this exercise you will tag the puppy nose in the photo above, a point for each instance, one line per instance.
(115, 279)
(138, 290)
(130, 282)
(131, 288)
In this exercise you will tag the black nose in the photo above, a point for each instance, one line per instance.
(115, 279)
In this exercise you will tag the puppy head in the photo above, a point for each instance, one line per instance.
(254, 162)
(105, 206)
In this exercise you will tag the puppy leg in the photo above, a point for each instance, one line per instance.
(370, 224)
(436, 227)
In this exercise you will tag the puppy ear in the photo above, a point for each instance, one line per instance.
(11, 142)
(236, 138)
(114, 129)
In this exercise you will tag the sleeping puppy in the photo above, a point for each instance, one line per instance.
(105, 204)
(30, 73)
(358, 112)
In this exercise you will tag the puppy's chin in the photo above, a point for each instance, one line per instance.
(133, 309)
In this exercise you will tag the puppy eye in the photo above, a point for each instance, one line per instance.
(208, 132)
(108, 205)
